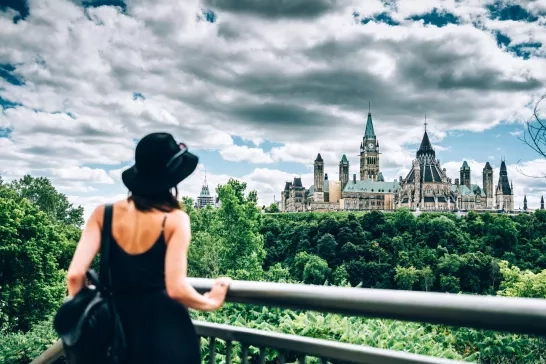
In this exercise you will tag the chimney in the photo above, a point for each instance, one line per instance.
(457, 181)
(354, 177)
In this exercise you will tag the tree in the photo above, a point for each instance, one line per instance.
(406, 277)
(326, 247)
(32, 284)
(316, 270)
(239, 218)
(273, 208)
(40, 191)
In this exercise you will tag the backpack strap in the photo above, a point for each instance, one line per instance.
(105, 247)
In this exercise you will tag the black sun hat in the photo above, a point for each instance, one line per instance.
(160, 164)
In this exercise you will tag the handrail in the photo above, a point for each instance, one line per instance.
(320, 348)
(307, 346)
(516, 315)
(51, 354)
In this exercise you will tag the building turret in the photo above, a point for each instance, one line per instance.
(542, 202)
(204, 197)
(487, 175)
(505, 190)
(369, 153)
(319, 174)
(343, 171)
(465, 174)
(525, 203)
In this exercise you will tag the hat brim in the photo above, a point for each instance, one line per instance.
(181, 169)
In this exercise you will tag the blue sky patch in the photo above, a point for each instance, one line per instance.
(7, 72)
(96, 3)
(525, 50)
(207, 15)
(502, 39)
(5, 132)
(436, 18)
(489, 145)
(7, 104)
(500, 11)
(20, 6)
(138, 95)
(383, 17)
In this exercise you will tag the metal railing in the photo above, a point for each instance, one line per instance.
(517, 315)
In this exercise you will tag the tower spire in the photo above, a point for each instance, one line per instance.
(206, 177)
(425, 123)
(369, 107)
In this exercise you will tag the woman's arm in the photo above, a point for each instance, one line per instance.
(176, 261)
(87, 249)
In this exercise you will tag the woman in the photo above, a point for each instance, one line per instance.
(148, 260)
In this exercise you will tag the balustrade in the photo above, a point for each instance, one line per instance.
(517, 315)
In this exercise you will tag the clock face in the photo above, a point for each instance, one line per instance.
(371, 145)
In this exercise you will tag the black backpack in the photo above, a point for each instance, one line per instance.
(89, 325)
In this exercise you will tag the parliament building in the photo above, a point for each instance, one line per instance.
(425, 188)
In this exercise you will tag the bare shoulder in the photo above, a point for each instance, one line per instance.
(97, 216)
(178, 222)
(180, 217)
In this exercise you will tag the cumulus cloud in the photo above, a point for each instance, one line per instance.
(81, 83)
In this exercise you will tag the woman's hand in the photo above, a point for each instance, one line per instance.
(218, 292)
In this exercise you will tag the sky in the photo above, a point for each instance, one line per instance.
(256, 88)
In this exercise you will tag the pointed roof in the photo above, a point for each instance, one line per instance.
(205, 192)
(542, 199)
(465, 166)
(503, 168)
(344, 160)
(319, 158)
(369, 133)
(488, 167)
(426, 147)
(524, 198)
(504, 184)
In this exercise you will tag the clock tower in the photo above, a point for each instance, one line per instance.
(369, 153)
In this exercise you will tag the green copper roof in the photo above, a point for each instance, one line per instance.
(344, 159)
(369, 133)
(465, 166)
(474, 190)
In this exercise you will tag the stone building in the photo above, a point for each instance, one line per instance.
(426, 186)
(470, 196)
(205, 198)
(371, 192)
(369, 195)
(293, 196)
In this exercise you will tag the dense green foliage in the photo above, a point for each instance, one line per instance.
(483, 254)
(38, 232)
(431, 252)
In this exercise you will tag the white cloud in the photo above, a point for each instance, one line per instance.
(242, 153)
(300, 76)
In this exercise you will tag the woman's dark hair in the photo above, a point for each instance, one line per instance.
(164, 201)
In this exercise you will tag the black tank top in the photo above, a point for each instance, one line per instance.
(134, 274)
